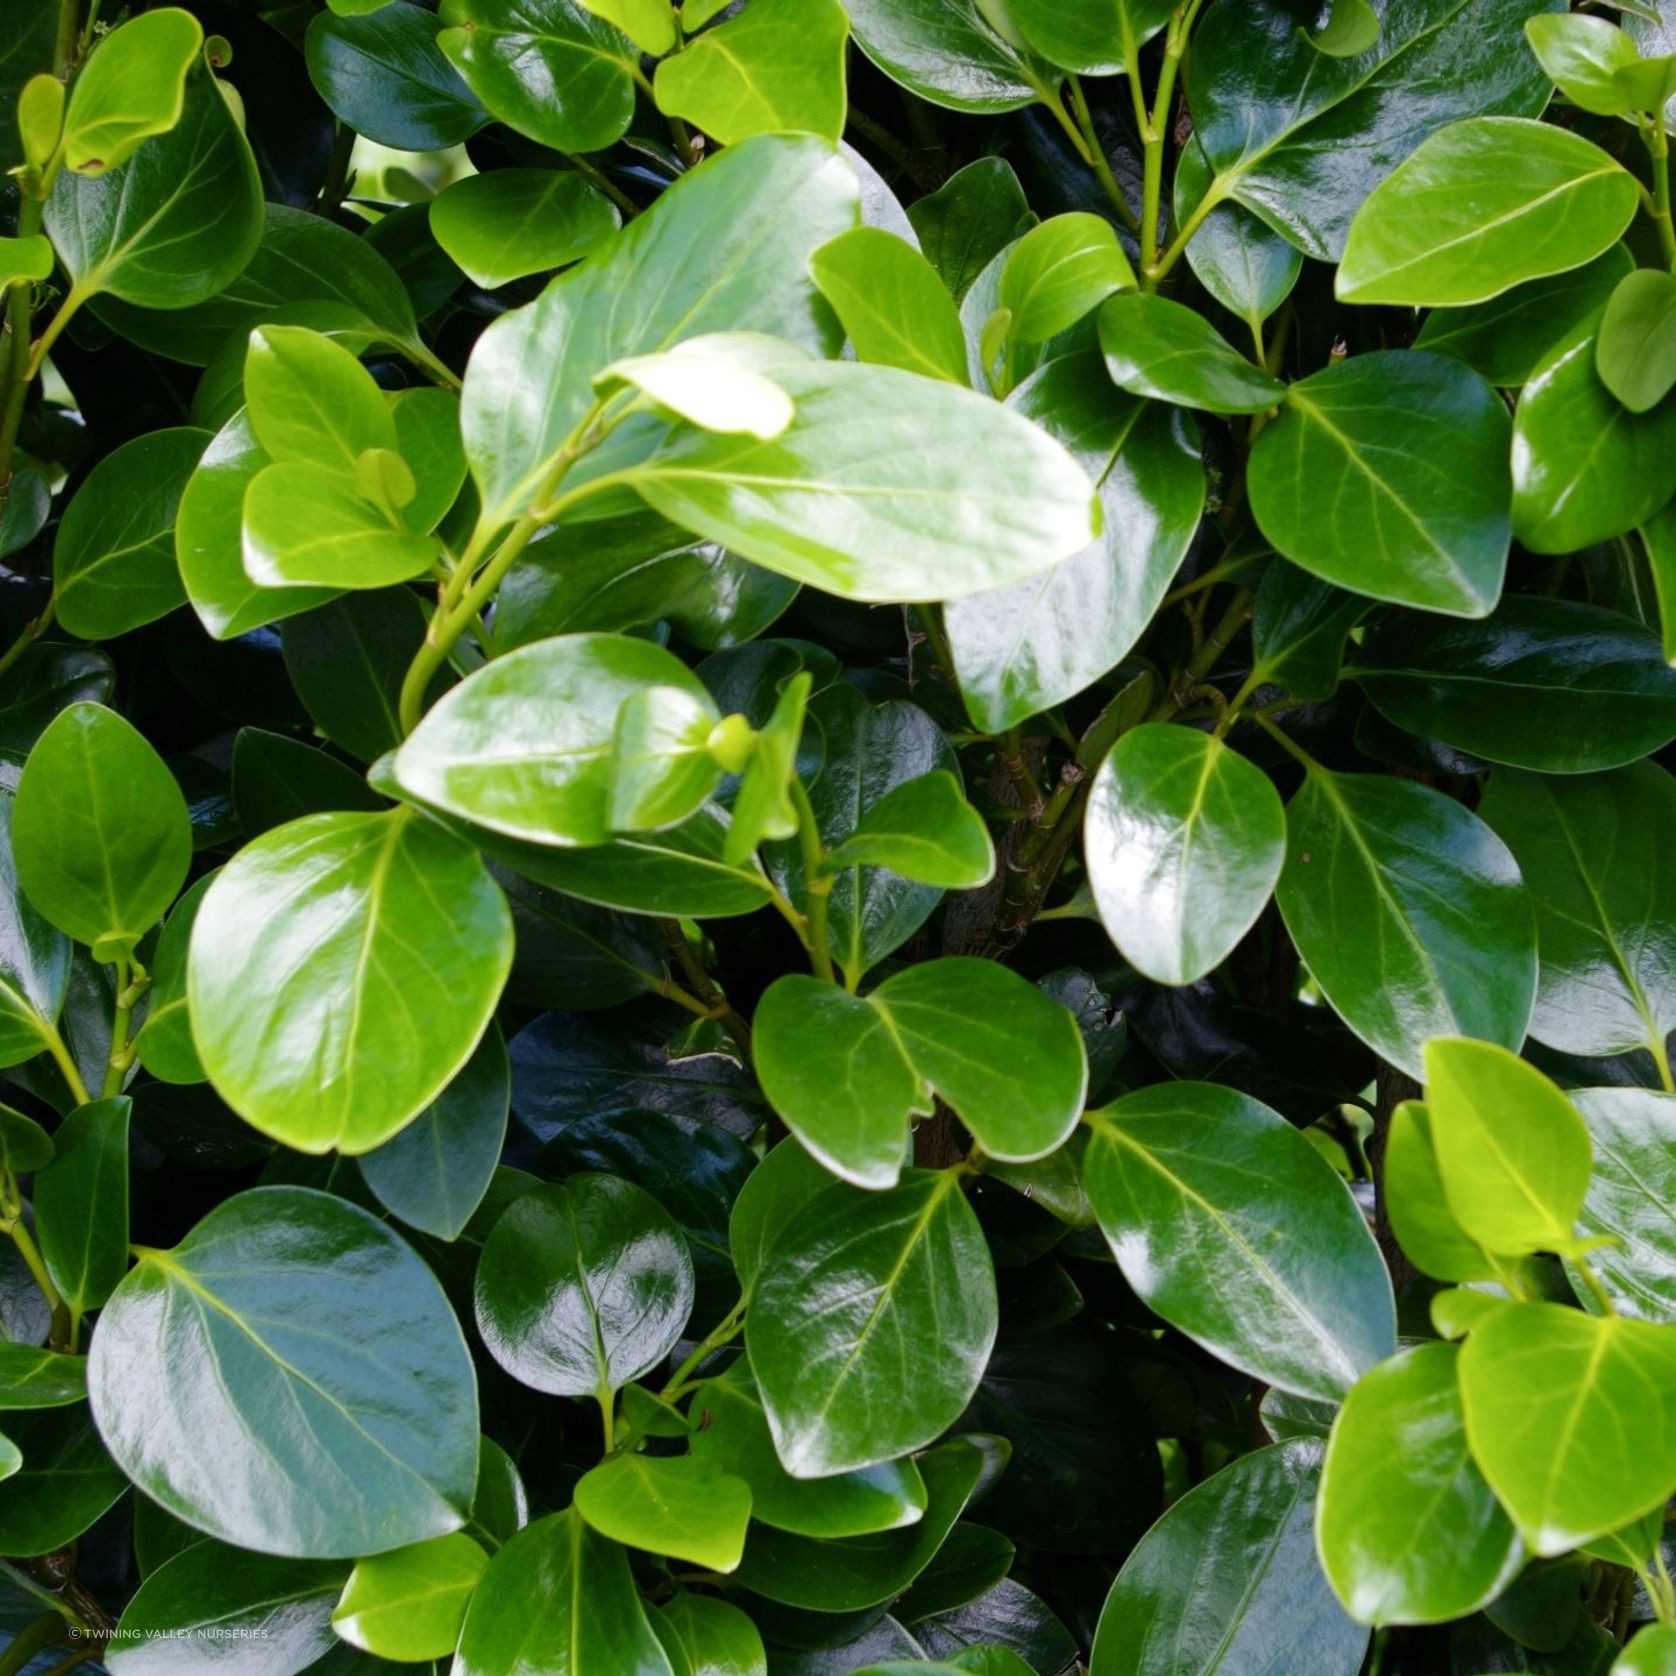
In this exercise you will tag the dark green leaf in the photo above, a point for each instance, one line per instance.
(1157, 348)
(81, 1205)
(950, 52)
(66, 1481)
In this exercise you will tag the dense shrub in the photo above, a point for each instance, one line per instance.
(834, 837)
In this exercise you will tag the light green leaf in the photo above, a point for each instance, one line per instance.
(1409, 1531)
(113, 561)
(311, 401)
(133, 87)
(1420, 1216)
(1547, 1392)
(100, 834)
(1376, 862)
(1351, 30)
(848, 1072)
(661, 769)
(309, 526)
(846, 1296)
(719, 382)
(680, 1506)
(650, 24)
(548, 68)
(1635, 352)
(409, 1604)
(775, 67)
(893, 306)
(718, 1637)
(1184, 841)
(584, 1286)
(422, 938)
(923, 829)
(1344, 487)
(1157, 348)
(762, 807)
(1059, 272)
(1582, 55)
(524, 746)
(511, 222)
(1234, 1229)
(1481, 207)
(559, 1597)
(289, 1344)
(1101, 38)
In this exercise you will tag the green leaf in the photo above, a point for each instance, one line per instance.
(1299, 627)
(771, 1198)
(208, 542)
(276, 779)
(860, 1572)
(31, 1378)
(559, 1597)
(100, 833)
(172, 225)
(1242, 261)
(34, 958)
(1419, 1211)
(291, 1342)
(1228, 1580)
(759, 210)
(846, 1296)
(846, 1073)
(409, 1604)
(385, 76)
(311, 402)
(1157, 348)
(309, 526)
(1605, 902)
(1635, 352)
(1651, 1653)
(1184, 841)
(1343, 486)
(776, 67)
(1020, 650)
(1628, 1200)
(187, 1611)
(1058, 273)
(680, 1506)
(1376, 862)
(1512, 1153)
(1409, 1531)
(735, 1439)
(422, 938)
(549, 69)
(524, 746)
(1511, 338)
(113, 561)
(950, 53)
(660, 767)
(434, 1173)
(1583, 55)
(923, 829)
(1548, 684)
(718, 1637)
(130, 89)
(948, 494)
(719, 382)
(1481, 207)
(1584, 467)
(1553, 1444)
(511, 222)
(584, 1286)
(81, 1205)
(1096, 40)
(650, 24)
(762, 807)
(66, 1481)
(1351, 30)
(973, 216)
(1284, 125)
(1231, 1226)
(893, 306)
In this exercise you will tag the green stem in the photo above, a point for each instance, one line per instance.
(36, 1635)
(66, 1065)
(1214, 195)
(725, 1331)
(1661, 1058)
(1204, 659)
(705, 999)
(598, 177)
(132, 982)
(1095, 154)
(815, 888)
(15, 371)
(1658, 145)
(63, 1323)
(1592, 1281)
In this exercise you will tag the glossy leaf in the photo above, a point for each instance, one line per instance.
(31, 1378)
(409, 1604)
(34, 961)
(317, 1351)
(1058, 273)
(969, 220)
(1378, 862)
(422, 937)
(892, 303)
(1184, 841)
(843, 1297)
(923, 829)
(1100, 40)
(1427, 1228)
(100, 836)
(1635, 352)
(583, 1287)
(1481, 207)
(1583, 54)
(1342, 486)
(512, 222)
(847, 1073)
(81, 1204)
(129, 90)
(950, 52)
(1552, 1447)
(1157, 348)
(1409, 1531)
(1626, 1199)
(679, 1506)
(1233, 1228)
